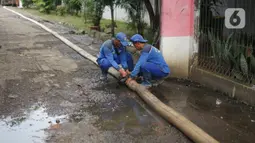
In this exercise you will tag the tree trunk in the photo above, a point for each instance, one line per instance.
(151, 12)
(112, 16)
(140, 28)
(97, 21)
(156, 23)
(156, 39)
(98, 14)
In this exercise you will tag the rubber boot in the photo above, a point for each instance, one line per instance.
(146, 80)
(103, 77)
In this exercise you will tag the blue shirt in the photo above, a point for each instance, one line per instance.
(152, 55)
(112, 54)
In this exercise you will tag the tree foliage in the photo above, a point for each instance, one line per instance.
(73, 6)
(111, 4)
(93, 10)
(136, 13)
(44, 6)
(87, 9)
(27, 3)
(98, 12)
(61, 10)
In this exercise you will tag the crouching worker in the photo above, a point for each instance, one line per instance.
(151, 64)
(112, 53)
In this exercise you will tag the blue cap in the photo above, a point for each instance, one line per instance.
(138, 38)
(123, 39)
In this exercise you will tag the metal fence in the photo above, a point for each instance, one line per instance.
(222, 49)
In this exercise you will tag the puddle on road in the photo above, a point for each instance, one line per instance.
(29, 128)
(224, 118)
(126, 113)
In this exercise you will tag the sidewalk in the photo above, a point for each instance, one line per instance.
(227, 121)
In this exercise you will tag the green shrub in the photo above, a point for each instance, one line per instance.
(44, 6)
(73, 6)
(61, 10)
(27, 3)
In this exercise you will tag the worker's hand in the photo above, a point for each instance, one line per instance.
(122, 72)
(128, 72)
(129, 80)
(139, 79)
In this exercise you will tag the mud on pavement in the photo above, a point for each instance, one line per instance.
(49, 93)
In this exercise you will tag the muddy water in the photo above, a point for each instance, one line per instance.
(225, 119)
(123, 118)
(29, 128)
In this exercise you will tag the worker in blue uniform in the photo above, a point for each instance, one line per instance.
(151, 64)
(113, 54)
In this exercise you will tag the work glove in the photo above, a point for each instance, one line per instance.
(122, 72)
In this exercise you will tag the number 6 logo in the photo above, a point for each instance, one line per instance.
(235, 18)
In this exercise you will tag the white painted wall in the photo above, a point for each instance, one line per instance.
(176, 51)
(20, 4)
(120, 14)
(177, 35)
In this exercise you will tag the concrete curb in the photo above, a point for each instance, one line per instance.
(173, 117)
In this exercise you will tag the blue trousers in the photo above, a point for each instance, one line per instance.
(105, 64)
(151, 71)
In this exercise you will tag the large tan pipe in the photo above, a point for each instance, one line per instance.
(187, 127)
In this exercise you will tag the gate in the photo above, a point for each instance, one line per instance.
(225, 51)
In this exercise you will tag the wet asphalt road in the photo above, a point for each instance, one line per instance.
(42, 80)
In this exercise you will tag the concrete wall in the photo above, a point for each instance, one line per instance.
(120, 14)
(177, 28)
(243, 93)
(20, 4)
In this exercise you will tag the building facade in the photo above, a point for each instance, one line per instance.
(177, 29)
(197, 43)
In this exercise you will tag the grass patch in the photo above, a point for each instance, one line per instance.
(77, 21)
(121, 26)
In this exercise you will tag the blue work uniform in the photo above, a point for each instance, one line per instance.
(109, 56)
(151, 64)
